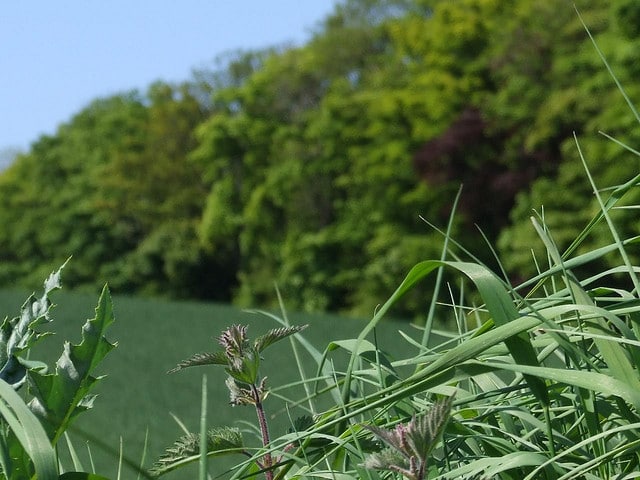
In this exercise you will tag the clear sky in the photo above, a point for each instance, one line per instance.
(57, 56)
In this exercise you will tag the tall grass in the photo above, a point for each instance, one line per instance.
(541, 380)
(547, 386)
(544, 375)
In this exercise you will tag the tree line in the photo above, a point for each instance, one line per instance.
(314, 167)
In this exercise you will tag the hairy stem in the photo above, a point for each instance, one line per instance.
(264, 430)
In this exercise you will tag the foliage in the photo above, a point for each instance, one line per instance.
(310, 166)
(546, 383)
(242, 361)
(29, 433)
(126, 199)
(541, 380)
(545, 375)
(410, 443)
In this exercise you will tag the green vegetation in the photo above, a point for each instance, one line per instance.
(310, 166)
(29, 432)
(137, 399)
(246, 386)
(538, 379)
(541, 380)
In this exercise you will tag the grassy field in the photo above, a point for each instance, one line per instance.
(138, 395)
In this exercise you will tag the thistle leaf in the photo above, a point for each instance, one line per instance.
(186, 449)
(19, 334)
(272, 336)
(207, 358)
(60, 396)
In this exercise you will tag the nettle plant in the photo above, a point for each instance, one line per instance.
(241, 360)
(409, 445)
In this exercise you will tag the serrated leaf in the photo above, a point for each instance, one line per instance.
(60, 396)
(186, 449)
(19, 334)
(385, 460)
(410, 443)
(206, 358)
(272, 336)
(301, 423)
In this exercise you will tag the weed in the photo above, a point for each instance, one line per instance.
(246, 386)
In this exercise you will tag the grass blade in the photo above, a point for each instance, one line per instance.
(29, 432)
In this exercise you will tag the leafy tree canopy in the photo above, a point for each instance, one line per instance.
(309, 166)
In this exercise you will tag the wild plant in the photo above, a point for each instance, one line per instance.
(241, 360)
(410, 444)
(33, 423)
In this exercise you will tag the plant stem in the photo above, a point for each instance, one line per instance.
(264, 430)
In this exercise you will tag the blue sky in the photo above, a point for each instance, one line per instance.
(57, 56)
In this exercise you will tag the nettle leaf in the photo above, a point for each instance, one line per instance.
(272, 336)
(186, 449)
(386, 459)
(410, 443)
(301, 424)
(18, 334)
(60, 396)
(245, 369)
(207, 358)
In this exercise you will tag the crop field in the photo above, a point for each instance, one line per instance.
(137, 398)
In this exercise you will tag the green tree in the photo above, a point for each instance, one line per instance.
(582, 98)
(47, 196)
(114, 189)
(310, 166)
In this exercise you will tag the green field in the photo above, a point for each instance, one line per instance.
(138, 395)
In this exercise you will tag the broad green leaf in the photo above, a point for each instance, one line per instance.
(449, 368)
(497, 301)
(613, 353)
(597, 382)
(60, 396)
(489, 467)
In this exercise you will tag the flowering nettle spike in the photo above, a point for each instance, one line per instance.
(234, 340)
